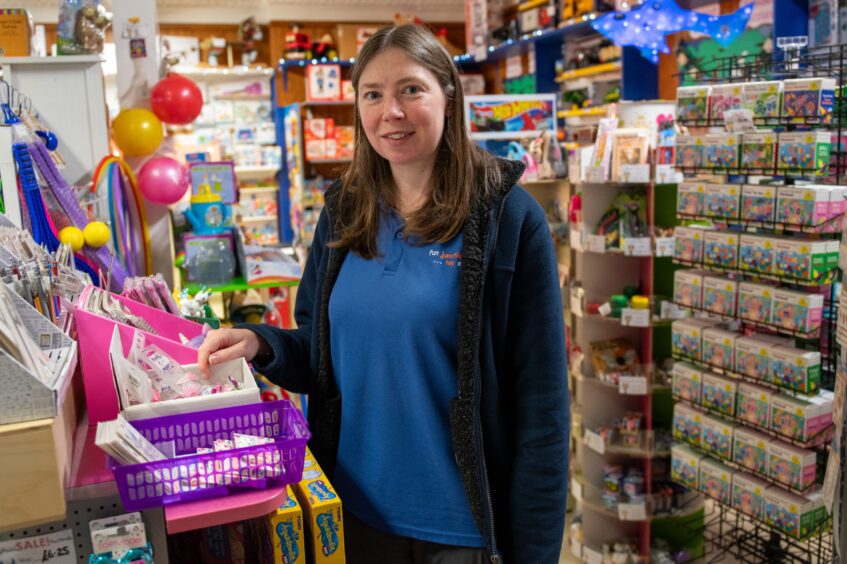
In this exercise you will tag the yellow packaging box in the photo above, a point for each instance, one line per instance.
(286, 530)
(321, 513)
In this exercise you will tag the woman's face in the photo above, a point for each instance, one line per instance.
(402, 108)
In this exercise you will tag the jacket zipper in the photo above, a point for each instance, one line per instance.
(494, 556)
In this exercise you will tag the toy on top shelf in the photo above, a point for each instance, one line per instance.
(249, 33)
(297, 44)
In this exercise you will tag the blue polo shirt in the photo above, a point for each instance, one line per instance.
(394, 337)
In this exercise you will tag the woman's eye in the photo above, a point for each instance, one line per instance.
(370, 96)
(413, 90)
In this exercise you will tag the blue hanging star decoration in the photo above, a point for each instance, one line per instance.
(647, 23)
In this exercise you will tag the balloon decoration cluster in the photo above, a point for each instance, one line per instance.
(138, 132)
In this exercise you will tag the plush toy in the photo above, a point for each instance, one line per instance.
(249, 33)
(90, 28)
(325, 48)
(297, 44)
(538, 150)
(214, 48)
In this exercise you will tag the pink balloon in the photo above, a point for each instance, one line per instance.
(163, 180)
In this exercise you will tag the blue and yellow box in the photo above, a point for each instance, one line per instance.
(322, 514)
(286, 530)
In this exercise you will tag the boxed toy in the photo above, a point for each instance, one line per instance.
(796, 369)
(804, 151)
(755, 301)
(758, 203)
(800, 258)
(797, 311)
(793, 466)
(685, 466)
(809, 98)
(720, 248)
(752, 357)
(802, 205)
(837, 200)
(716, 436)
(692, 103)
(718, 348)
(755, 253)
(719, 294)
(750, 450)
(792, 514)
(285, 526)
(688, 288)
(686, 381)
(691, 198)
(801, 418)
(687, 335)
(762, 98)
(690, 151)
(716, 480)
(686, 424)
(753, 404)
(719, 393)
(723, 97)
(748, 495)
(722, 150)
(688, 243)
(322, 514)
(833, 250)
(722, 200)
(758, 150)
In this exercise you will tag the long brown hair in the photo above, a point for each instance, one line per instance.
(463, 171)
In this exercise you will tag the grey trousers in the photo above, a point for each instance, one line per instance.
(366, 545)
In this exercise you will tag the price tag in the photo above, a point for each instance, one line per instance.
(666, 174)
(576, 239)
(514, 68)
(635, 173)
(670, 310)
(632, 385)
(664, 246)
(605, 310)
(591, 556)
(576, 488)
(594, 441)
(632, 511)
(54, 548)
(595, 174)
(635, 317)
(830, 481)
(637, 246)
(595, 243)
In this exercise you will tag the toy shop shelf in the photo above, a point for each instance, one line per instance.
(738, 171)
(764, 121)
(328, 161)
(192, 515)
(584, 112)
(257, 218)
(288, 63)
(832, 225)
(617, 320)
(592, 71)
(224, 72)
(328, 103)
(573, 27)
(590, 496)
(237, 285)
(827, 278)
(600, 383)
(634, 452)
(258, 190)
(742, 377)
(69, 59)
(814, 334)
(265, 169)
(819, 440)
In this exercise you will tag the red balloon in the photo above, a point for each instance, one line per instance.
(176, 100)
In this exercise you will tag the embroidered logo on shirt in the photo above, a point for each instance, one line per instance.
(452, 260)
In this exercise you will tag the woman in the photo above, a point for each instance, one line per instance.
(430, 336)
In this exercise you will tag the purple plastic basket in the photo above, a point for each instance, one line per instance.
(192, 476)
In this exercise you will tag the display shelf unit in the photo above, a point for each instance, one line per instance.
(738, 376)
(825, 279)
(832, 225)
(805, 335)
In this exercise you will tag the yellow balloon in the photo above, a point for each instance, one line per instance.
(96, 234)
(72, 236)
(138, 132)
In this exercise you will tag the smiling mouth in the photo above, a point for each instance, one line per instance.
(399, 135)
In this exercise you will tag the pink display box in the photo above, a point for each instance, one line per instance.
(95, 333)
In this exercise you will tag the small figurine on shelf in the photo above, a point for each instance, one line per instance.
(297, 44)
(249, 33)
(214, 48)
(517, 152)
(325, 48)
(90, 28)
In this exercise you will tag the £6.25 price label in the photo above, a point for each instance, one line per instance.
(55, 548)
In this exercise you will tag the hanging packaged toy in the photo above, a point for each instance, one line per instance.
(758, 151)
(750, 450)
(809, 98)
(691, 198)
(758, 203)
(720, 248)
(748, 495)
(753, 404)
(762, 98)
(687, 381)
(685, 466)
(688, 288)
(722, 200)
(82, 27)
(690, 151)
(719, 295)
(723, 97)
(804, 151)
(716, 480)
(692, 103)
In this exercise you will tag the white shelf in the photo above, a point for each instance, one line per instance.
(58, 60)
(258, 189)
(256, 169)
(257, 218)
(224, 72)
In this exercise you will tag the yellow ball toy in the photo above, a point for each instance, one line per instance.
(72, 236)
(138, 132)
(96, 234)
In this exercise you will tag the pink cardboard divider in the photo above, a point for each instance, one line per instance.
(95, 334)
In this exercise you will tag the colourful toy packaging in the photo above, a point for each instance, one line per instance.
(792, 514)
(800, 258)
(716, 480)
(808, 98)
(687, 336)
(797, 311)
(688, 287)
(837, 200)
(688, 244)
(716, 436)
(322, 514)
(723, 97)
(802, 205)
(719, 295)
(796, 369)
(690, 151)
(722, 150)
(762, 98)
(758, 150)
(748, 495)
(801, 418)
(755, 301)
(286, 531)
(753, 355)
(719, 348)
(685, 466)
(723, 200)
(755, 253)
(750, 450)
(833, 249)
(719, 393)
(758, 203)
(687, 380)
(804, 151)
(687, 424)
(753, 404)
(692, 103)
(691, 198)
(795, 467)
(720, 248)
